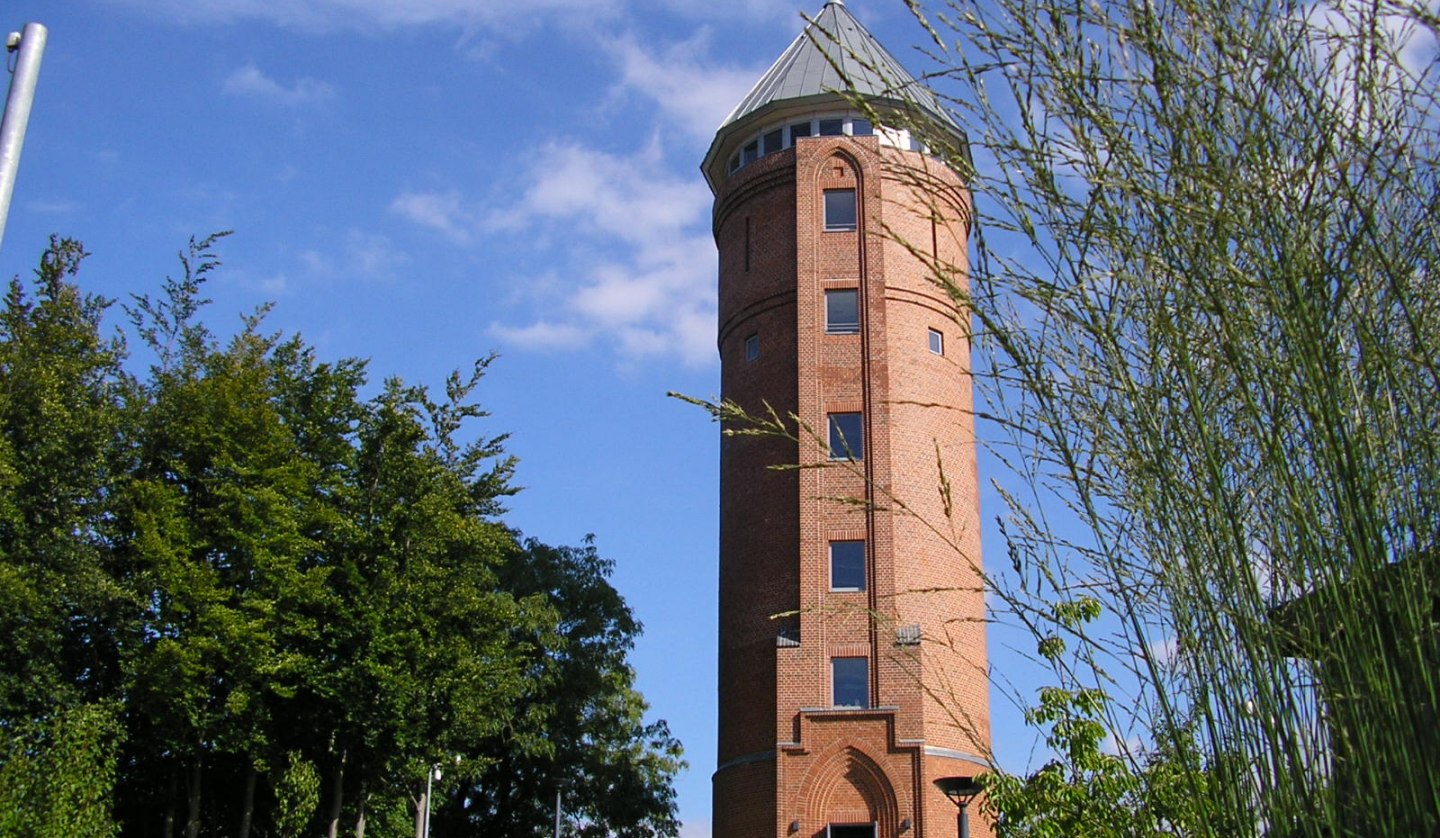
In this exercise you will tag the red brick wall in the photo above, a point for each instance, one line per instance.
(783, 753)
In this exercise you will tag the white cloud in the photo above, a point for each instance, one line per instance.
(1163, 650)
(57, 206)
(695, 93)
(274, 285)
(542, 335)
(362, 256)
(1406, 45)
(438, 211)
(252, 82)
(637, 238)
(323, 15)
(634, 198)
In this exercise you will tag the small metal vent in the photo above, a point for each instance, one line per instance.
(907, 635)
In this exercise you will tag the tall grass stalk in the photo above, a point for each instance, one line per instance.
(1207, 318)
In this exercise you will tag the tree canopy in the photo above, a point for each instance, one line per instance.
(245, 596)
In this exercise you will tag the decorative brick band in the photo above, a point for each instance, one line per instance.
(951, 753)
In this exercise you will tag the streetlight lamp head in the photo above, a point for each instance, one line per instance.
(960, 790)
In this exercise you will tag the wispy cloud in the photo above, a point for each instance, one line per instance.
(322, 15)
(642, 264)
(439, 211)
(696, 92)
(543, 336)
(56, 206)
(251, 81)
(360, 256)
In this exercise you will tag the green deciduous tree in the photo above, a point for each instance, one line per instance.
(247, 598)
(57, 776)
(611, 768)
(60, 386)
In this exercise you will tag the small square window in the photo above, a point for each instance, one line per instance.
(847, 565)
(847, 436)
(861, 128)
(752, 347)
(773, 142)
(850, 682)
(840, 209)
(750, 153)
(937, 342)
(832, 127)
(842, 311)
(798, 130)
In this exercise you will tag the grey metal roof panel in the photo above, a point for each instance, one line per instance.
(835, 53)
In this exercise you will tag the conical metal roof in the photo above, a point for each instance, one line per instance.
(834, 54)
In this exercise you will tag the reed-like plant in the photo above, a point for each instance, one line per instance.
(1206, 295)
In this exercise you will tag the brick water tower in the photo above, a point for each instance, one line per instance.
(853, 684)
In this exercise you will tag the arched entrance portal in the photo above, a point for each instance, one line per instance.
(851, 796)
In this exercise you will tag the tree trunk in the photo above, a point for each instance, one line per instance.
(169, 830)
(247, 807)
(421, 808)
(337, 798)
(192, 822)
(360, 817)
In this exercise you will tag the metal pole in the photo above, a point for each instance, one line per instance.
(964, 821)
(31, 46)
(557, 812)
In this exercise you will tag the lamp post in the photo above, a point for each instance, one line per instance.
(30, 46)
(433, 775)
(961, 790)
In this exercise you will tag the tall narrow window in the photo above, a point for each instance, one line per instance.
(752, 347)
(847, 436)
(850, 680)
(847, 565)
(747, 244)
(842, 311)
(840, 209)
(937, 342)
(798, 130)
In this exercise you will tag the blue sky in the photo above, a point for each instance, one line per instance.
(420, 182)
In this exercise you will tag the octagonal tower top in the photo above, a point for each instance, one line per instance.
(808, 89)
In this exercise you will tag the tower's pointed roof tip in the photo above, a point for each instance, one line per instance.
(833, 54)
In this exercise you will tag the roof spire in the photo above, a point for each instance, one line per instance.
(834, 53)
